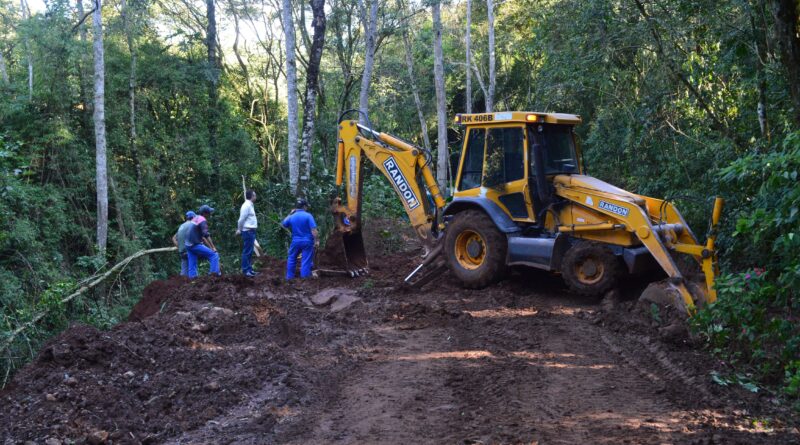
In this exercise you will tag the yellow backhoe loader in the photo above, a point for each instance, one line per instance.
(522, 198)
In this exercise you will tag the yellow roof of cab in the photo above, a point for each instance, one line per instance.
(517, 116)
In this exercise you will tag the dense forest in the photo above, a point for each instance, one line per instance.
(116, 117)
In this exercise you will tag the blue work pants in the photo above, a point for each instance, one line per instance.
(248, 245)
(200, 251)
(307, 261)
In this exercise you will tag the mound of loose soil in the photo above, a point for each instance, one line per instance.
(154, 296)
(197, 349)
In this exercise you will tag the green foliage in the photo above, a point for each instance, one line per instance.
(768, 221)
(754, 322)
(381, 200)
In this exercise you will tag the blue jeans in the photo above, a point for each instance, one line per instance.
(201, 251)
(249, 242)
(307, 262)
(184, 263)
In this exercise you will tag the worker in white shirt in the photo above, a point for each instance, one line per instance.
(246, 227)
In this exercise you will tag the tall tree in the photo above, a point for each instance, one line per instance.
(441, 106)
(787, 27)
(213, 80)
(758, 27)
(343, 21)
(492, 73)
(128, 19)
(468, 45)
(312, 86)
(415, 91)
(83, 81)
(26, 14)
(3, 70)
(370, 23)
(130, 14)
(291, 92)
(101, 164)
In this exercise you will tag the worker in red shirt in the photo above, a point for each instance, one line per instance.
(199, 244)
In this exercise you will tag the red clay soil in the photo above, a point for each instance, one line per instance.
(254, 361)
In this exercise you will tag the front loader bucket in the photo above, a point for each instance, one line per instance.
(667, 295)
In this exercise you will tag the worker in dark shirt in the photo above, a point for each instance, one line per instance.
(199, 244)
(179, 239)
(304, 238)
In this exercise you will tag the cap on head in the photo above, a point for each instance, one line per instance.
(301, 204)
(190, 214)
(205, 210)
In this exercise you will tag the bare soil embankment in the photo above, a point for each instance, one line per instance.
(337, 360)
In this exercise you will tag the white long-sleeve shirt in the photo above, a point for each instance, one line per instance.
(247, 216)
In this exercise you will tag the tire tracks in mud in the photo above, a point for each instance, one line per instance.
(397, 395)
(553, 381)
(473, 371)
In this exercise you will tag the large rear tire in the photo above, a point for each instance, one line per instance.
(590, 269)
(475, 249)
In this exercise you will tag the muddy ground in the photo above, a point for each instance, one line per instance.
(336, 360)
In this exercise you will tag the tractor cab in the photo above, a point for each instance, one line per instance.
(511, 159)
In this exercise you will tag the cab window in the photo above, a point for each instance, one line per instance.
(558, 148)
(472, 167)
(505, 156)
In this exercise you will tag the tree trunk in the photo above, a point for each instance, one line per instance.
(786, 30)
(131, 86)
(213, 79)
(441, 112)
(468, 44)
(291, 87)
(760, 43)
(492, 74)
(101, 164)
(371, 29)
(26, 14)
(3, 71)
(312, 86)
(118, 207)
(129, 17)
(242, 65)
(410, 66)
(84, 86)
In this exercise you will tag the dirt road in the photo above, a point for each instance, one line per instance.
(232, 361)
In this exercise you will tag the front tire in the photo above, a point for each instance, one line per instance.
(475, 249)
(590, 269)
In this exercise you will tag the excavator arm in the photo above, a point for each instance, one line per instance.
(408, 169)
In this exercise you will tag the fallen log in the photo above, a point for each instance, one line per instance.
(92, 282)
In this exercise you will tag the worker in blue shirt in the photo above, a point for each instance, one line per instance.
(304, 239)
(199, 244)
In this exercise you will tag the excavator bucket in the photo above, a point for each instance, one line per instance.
(354, 252)
(344, 249)
(666, 296)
